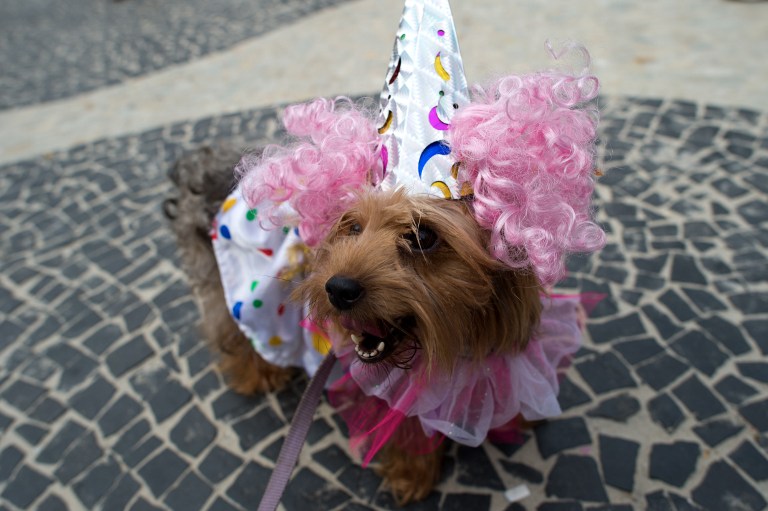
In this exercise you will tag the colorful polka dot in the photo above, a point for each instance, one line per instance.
(228, 204)
(321, 344)
(441, 32)
(236, 310)
(275, 341)
(267, 251)
(257, 304)
(254, 284)
(224, 230)
(251, 215)
(281, 309)
(286, 230)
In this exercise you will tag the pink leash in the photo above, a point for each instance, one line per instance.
(302, 420)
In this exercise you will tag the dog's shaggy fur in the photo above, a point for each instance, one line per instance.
(410, 272)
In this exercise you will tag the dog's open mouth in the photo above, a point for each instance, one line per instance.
(375, 341)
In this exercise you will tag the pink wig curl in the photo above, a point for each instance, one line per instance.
(526, 144)
(317, 177)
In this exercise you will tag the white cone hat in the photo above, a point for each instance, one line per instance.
(425, 84)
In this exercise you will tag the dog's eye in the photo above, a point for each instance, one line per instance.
(423, 240)
(355, 229)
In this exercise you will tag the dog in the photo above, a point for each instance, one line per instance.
(437, 305)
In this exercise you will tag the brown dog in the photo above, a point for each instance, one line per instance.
(385, 276)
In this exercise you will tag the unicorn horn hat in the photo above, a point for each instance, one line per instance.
(523, 150)
(425, 85)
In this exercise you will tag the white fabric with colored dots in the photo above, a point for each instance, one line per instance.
(251, 260)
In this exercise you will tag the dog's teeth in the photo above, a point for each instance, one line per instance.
(381, 346)
(357, 349)
(356, 339)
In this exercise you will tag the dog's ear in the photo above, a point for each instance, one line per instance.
(517, 309)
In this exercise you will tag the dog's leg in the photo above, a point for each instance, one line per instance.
(410, 477)
(203, 180)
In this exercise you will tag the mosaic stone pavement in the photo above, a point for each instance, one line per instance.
(109, 400)
(58, 49)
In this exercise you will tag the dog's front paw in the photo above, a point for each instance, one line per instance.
(410, 477)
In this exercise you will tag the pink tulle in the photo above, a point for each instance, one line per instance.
(319, 176)
(467, 405)
(526, 144)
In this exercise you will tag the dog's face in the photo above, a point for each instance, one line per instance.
(401, 273)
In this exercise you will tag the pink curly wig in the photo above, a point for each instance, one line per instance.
(526, 144)
(319, 176)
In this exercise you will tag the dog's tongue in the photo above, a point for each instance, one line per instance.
(357, 326)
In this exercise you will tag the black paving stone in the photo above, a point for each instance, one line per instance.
(191, 494)
(675, 304)
(639, 350)
(698, 398)
(700, 352)
(756, 414)
(26, 487)
(661, 371)
(119, 415)
(576, 477)
(727, 334)
(122, 493)
(465, 501)
(755, 212)
(129, 355)
(249, 486)
(362, 483)
(253, 429)
(218, 464)
(206, 384)
(758, 330)
(162, 471)
(231, 405)
(757, 371)
(571, 394)
(9, 459)
(103, 338)
(92, 488)
(31, 433)
(560, 506)
(618, 328)
(717, 431)
(665, 412)
(193, 433)
(522, 471)
(751, 302)
(332, 458)
(686, 270)
(142, 451)
(169, 399)
(665, 326)
(618, 458)
(619, 408)
(22, 395)
(673, 463)
(605, 372)
(92, 399)
(52, 503)
(272, 451)
(84, 453)
(39, 369)
(555, 436)
(318, 430)
(652, 265)
(475, 469)
(751, 460)
(734, 390)
(724, 488)
(61, 442)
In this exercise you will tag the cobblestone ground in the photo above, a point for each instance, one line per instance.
(67, 47)
(110, 400)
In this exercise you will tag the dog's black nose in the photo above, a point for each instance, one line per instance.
(344, 292)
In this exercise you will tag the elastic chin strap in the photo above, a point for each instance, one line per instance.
(302, 420)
